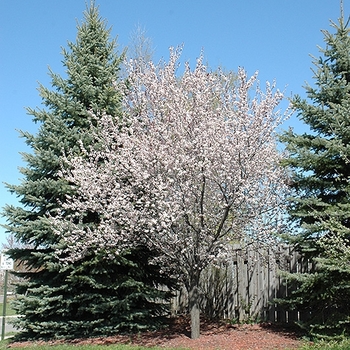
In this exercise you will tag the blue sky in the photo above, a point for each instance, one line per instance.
(274, 37)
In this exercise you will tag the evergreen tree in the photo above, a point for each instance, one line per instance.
(319, 160)
(92, 296)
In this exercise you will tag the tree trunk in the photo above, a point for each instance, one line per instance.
(194, 308)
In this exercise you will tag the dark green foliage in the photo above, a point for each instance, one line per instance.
(100, 297)
(92, 296)
(320, 164)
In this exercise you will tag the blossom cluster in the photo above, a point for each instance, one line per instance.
(192, 168)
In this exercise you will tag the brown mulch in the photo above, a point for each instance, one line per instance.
(214, 336)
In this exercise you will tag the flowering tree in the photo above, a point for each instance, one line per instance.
(194, 169)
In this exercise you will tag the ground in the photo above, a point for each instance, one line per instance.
(214, 336)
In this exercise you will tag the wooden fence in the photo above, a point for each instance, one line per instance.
(244, 288)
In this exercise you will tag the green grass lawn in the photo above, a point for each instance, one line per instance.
(9, 310)
(343, 345)
(328, 345)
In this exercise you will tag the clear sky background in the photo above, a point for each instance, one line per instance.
(274, 37)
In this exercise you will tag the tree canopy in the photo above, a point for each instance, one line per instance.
(193, 167)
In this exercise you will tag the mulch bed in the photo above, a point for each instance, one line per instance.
(214, 336)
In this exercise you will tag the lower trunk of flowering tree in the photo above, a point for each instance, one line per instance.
(193, 299)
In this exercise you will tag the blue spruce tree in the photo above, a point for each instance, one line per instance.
(91, 297)
(319, 161)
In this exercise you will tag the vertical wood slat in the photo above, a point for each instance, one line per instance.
(244, 288)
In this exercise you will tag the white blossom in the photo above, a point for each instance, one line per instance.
(194, 168)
